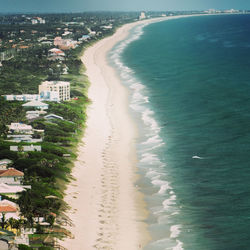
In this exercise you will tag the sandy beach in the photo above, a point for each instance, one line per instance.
(107, 210)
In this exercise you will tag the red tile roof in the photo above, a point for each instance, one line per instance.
(7, 209)
(11, 172)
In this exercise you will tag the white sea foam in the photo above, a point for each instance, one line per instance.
(179, 246)
(148, 155)
(149, 158)
(153, 140)
(151, 173)
(169, 202)
(149, 121)
(175, 231)
(163, 189)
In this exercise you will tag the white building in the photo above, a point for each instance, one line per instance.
(20, 128)
(49, 96)
(53, 117)
(34, 21)
(62, 88)
(23, 138)
(24, 97)
(30, 148)
(32, 114)
(10, 209)
(11, 191)
(11, 176)
(4, 163)
(142, 15)
(36, 104)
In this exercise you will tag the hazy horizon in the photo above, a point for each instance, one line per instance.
(59, 6)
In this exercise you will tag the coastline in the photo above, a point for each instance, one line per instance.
(107, 210)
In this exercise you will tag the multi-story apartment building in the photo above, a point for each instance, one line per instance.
(62, 88)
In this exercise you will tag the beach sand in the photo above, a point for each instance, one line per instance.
(107, 210)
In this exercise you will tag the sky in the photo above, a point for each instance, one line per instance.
(117, 5)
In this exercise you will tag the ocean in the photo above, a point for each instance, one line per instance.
(189, 90)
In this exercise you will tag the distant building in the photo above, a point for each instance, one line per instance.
(64, 43)
(10, 190)
(20, 128)
(10, 209)
(4, 163)
(37, 20)
(34, 21)
(53, 117)
(60, 87)
(36, 104)
(24, 97)
(11, 176)
(33, 114)
(30, 148)
(23, 138)
(142, 15)
(84, 38)
(45, 96)
(56, 52)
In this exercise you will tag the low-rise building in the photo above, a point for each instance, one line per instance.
(33, 114)
(25, 148)
(24, 97)
(20, 128)
(56, 52)
(36, 105)
(4, 163)
(10, 190)
(53, 117)
(84, 38)
(64, 44)
(11, 176)
(23, 138)
(9, 209)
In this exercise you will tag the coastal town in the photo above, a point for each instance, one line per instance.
(43, 99)
(42, 103)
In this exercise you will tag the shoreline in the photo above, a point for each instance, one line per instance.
(107, 210)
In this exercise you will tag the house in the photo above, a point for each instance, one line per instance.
(4, 163)
(23, 138)
(33, 114)
(30, 148)
(20, 128)
(61, 87)
(84, 38)
(64, 43)
(11, 176)
(9, 209)
(24, 97)
(10, 190)
(36, 104)
(53, 117)
(56, 57)
(56, 52)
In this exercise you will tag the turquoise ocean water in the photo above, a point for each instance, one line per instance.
(189, 83)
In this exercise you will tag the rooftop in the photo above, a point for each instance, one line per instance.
(7, 209)
(10, 172)
(35, 104)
